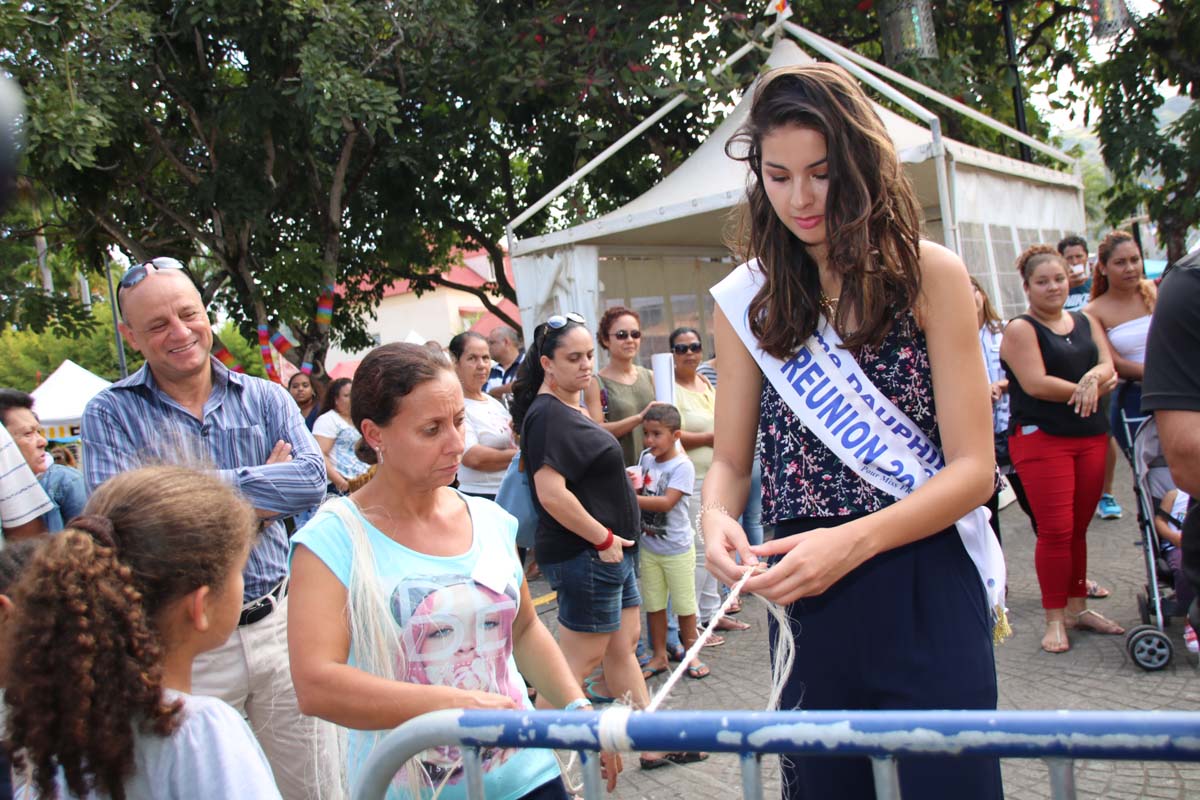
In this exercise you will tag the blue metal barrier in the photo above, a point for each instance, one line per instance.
(1058, 737)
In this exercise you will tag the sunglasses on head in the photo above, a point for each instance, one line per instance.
(681, 349)
(138, 272)
(623, 335)
(558, 321)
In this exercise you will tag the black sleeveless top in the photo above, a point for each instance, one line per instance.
(1069, 357)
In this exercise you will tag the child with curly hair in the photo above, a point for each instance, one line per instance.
(108, 616)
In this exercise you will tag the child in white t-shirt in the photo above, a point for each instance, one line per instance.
(108, 616)
(668, 551)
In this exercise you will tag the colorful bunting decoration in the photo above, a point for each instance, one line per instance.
(264, 346)
(281, 342)
(325, 308)
(225, 357)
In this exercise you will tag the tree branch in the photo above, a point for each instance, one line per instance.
(479, 292)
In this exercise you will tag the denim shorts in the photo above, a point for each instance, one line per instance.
(591, 592)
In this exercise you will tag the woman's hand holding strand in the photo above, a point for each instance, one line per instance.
(811, 563)
(723, 538)
(615, 552)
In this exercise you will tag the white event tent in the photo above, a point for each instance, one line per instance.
(60, 399)
(662, 251)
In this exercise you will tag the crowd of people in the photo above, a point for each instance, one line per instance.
(242, 570)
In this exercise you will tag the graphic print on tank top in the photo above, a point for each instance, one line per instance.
(455, 632)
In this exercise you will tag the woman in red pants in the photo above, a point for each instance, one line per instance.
(1058, 368)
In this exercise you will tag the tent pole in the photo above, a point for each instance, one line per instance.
(949, 102)
(949, 225)
(612, 149)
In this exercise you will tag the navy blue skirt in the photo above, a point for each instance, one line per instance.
(909, 629)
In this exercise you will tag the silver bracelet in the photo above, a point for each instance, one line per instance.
(704, 509)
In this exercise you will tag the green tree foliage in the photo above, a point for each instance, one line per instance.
(284, 147)
(28, 357)
(1155, 167)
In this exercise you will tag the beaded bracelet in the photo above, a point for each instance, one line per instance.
(577, 704)
(704, 509)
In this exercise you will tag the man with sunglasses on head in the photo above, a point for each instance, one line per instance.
(504, 346)
(184, 405)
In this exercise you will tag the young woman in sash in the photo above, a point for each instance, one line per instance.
(890, 605)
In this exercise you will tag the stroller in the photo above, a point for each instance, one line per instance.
(1148, 644)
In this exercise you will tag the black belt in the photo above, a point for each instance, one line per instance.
(262, 607)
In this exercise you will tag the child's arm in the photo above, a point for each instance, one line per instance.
(660, 503)
(1166, 531)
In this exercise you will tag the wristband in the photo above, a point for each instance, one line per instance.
(608, 540)
(578, 704)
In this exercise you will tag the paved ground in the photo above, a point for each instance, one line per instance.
(1095, 674)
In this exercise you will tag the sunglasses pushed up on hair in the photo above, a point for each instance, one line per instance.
(557, 321)
(138, 272)
(684, 349)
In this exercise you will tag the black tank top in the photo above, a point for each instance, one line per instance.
(1069, 357)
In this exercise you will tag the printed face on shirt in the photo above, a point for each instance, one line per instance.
(474, 364)
(455, 632)
(423, 443)
(795, 177)
(26, 431)
(166, 322)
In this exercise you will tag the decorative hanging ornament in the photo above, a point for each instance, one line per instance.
(1109, 17)
(225, 357)
(907, 30)
(264, 347)
(325, 308)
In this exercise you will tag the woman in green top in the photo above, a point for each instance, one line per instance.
(630, 387)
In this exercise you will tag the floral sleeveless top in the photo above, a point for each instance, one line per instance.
(801, 477)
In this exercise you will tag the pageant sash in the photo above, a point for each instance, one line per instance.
(829, 392)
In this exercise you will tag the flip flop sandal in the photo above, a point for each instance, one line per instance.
(654, 763)
(1097, 592)
(714, 641)
(728, 624)
(648, 673)
(698, 671)
(589, 690)
(675, 654)
(686, 758)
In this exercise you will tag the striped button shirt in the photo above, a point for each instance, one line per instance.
(134, 422)
(22, 498)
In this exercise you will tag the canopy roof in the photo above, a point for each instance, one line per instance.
(691, 205)
(61, 398)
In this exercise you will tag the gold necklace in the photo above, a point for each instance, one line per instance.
(828, 305)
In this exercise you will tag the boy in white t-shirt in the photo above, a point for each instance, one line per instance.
(668, 551)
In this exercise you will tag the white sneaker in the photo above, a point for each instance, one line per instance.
(1189, 638)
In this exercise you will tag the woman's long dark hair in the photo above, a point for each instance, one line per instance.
(332, 392)
(530, 374)
(872, 218)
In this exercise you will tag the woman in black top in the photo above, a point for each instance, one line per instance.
(1058, 368)
(587, 511)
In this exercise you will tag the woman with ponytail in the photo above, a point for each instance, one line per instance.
(108, 617)
(407, 596)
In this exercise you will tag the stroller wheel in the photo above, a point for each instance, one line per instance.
(1143, 604)
(1149, 647)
